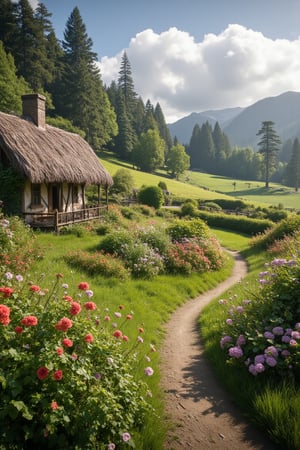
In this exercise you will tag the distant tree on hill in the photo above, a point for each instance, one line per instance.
(269, 146)
(162, 126)
(148, 154)
(178, 161)
(293, 167)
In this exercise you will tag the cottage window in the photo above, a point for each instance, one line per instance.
(35, 194)
(75, 194)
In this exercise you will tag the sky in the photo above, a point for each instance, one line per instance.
(193, 55)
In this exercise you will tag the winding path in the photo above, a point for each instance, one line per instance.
(202, 413)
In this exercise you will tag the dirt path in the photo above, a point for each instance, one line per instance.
(203, 415)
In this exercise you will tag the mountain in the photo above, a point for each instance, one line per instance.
(183, 128)
(283, 110)
(242, 124)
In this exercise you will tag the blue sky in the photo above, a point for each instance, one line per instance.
(194, 55)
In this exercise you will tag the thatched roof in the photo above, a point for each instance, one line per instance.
(49, 154)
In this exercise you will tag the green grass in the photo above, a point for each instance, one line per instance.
(204, 186)
(151, 302)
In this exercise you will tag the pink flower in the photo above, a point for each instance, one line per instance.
(6, 291)
(67, 342)
(129, 317)
(64, 324)
(83, 286)
(89, 338)
(126, 437)
(118, 315)
(74, 356)
(117, 334)
(107, 318)
(111, 446)
(29, 321)
(59, 351)
(90, 306)
(235, 352)
(54, 406)
(125, 338)
(148, 371)
(19, 330)
(75, 309)
(42, 372)
(259, 367)
(68, 298)
(34, 288)
(58, 374)
(225, 340)
(4, 314)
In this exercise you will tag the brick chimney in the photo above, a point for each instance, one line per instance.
(34, 106)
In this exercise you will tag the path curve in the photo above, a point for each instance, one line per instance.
(202, 413)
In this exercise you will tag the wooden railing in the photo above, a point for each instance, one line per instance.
(58, 219)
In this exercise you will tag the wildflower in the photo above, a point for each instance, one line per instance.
(97, 376)
(148, 371)
(121, 307)
(147, 358)
(19, 330)
(235, 352)
(125, 338)
(67, 342)
(117, 334)
(285, 353)
(107, 318)
(29, 321)
(64, 324)
(229, 321)
(225, 340)
(59, 275)
(118, 315)
(6, 291)
(89, 293)
(129, 317)
(111, 446)
(42, 372)
(19, 278)
(269, 335)
(259, 368)
(271, 361)
(83, 286)
(9, 276)
(4, 314)
(110, 361)
(278, 331)
(58, 374)
(68, 298)
(59, 351)
(65, 286)
(74, 356)
(239, 309)
(141, 330)
(90, 306)
(54, 406)
(126, 437)
(34, 288)
(75, 309)
(140, 339)
(89, 338)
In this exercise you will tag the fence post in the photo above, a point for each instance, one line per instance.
(56, 220)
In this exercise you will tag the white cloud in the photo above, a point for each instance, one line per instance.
(235, 68)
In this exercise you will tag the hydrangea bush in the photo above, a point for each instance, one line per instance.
(69, 374)
(262, 332)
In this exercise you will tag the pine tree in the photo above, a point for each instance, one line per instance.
(11, 86)
(8, 25)
(162, 127)
(293, 167)
(194, 147)
(207, 148)
(82, 97)
(268, 146)
(125, 82)
(149, 122)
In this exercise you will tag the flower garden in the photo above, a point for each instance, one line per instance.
(77, 374)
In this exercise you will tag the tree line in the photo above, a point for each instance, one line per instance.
(114, 117)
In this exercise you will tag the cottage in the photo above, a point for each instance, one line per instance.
(50, 168)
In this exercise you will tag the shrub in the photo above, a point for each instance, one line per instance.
(151, 196)
(142, 260)
(155, 237)
(211, 206)
(129, 213)
(186, 257)
(68, 377)
(123, 182)
(113, 242)
(284, 228)
(232, 222)
(189, 208)
(97, 264)
(113, 215)
(180, 229)
(18, 248)
(162, 185)
(262, 333)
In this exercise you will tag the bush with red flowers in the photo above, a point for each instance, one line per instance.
(66, 379)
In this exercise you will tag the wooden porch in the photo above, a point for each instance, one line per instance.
(56, 219)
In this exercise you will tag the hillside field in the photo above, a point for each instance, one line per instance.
(203, 186)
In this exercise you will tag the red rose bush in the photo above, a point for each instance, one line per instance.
(67, 380)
